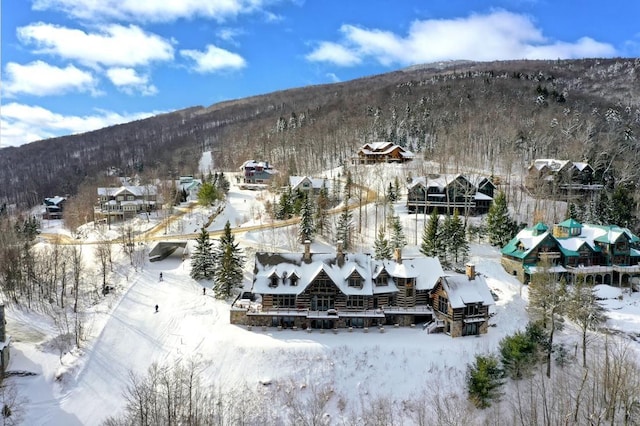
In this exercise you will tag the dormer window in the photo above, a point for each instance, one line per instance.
(355, 282)
(273, 281)
(381, 280)
(294, 280)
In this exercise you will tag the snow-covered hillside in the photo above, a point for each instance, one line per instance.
(127, 335)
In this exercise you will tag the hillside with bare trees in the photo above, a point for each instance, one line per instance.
(491, 115)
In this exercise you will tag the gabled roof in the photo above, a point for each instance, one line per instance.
(384, 148)
(530, 238)
(316, 183)
(138, 191)
(570, 223)
(444, 180)
(252, 164)
(54, 201)
(462, 291)
(550, 163)
(425, 270)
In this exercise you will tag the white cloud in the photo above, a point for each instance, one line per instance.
(335, 53)
(41, 79)
(111, 45)
(21, 123)
(129, 81)
(334, 78)
(214, 59)
(153, 11)
(494, 36)
(229, 34)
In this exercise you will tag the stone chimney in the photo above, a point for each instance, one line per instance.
(471, 271)
(397, 255)
(339, 254)
(307, 251)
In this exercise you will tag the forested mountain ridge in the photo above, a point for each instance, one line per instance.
(490, 115)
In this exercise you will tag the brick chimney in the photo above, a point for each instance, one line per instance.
(307, 251)
(471, 271)
(339, 253)
(397, 255)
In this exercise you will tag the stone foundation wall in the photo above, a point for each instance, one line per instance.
(513, 267)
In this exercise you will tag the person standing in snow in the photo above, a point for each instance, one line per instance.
(160, 276)
(156, 308)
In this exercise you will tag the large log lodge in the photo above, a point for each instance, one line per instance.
(354, 290)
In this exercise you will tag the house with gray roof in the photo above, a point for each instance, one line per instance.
(469, 194)
(308, 184)
(561, 177)
(461, 304)
(382, 152)
(257, 172)
(126, 201)
(349, 290)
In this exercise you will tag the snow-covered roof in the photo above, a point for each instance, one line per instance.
(279, 267)
(315, 183)
(138, 191)
(550, 163)
(384, 148)
(556, 165)
(444, 180)
(54, 200)
(426, 270)
(253, 164)
(462, 291)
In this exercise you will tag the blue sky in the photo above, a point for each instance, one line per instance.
(70, 66)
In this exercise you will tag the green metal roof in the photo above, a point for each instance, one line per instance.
(570, 223)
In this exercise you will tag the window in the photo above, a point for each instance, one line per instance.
(356, 302)
(408, 292)
(382, 280)
(284, 301)
(472, 310)
(294, 280)
(273, 281)
(355, 282)
(443, 304)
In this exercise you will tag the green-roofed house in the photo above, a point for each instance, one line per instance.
(601, 254)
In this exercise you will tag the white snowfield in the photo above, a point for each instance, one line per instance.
(127, 335)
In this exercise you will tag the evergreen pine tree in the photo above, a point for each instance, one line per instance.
(229, 261)
(572, 212)
(344, 228)
(622, 207)
(348, 186)
(430, 246)
(322, 206)
(484, 379)
(202, 265)
(458, 246)
(207, 194)
(284, 209)
(381, 247)
(500, 227)
(398, 239)
(222, 183)
(391, 194)
(306, 229)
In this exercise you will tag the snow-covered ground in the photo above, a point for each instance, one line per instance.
(127, 335)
